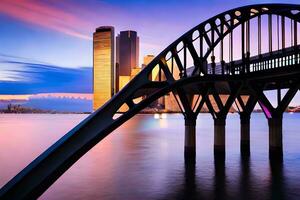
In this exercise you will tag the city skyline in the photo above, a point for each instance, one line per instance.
(115, 62)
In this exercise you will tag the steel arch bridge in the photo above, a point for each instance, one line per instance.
(239, 53)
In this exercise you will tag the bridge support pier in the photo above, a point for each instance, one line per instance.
(275, 115)
(219, 136)
(275, 137)
(190, 140)
(245, 134)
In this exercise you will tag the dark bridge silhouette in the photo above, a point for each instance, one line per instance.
(238, 54)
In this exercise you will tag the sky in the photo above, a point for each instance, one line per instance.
(46, 45)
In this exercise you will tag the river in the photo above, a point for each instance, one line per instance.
(143, 159)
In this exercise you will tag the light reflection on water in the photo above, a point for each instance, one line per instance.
(143, 159)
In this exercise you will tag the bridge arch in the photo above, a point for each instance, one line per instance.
(228, 20)
(234, 20)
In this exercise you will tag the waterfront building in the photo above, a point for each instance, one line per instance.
(127, 56)
(103, 65)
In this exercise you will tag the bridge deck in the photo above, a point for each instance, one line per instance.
(268, 65)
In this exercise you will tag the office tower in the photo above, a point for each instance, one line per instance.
(127, 52)
(103, 45)
(127, 56)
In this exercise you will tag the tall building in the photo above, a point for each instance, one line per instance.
(127, 56)
(103, 74)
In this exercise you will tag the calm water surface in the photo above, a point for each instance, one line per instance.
(143, 159)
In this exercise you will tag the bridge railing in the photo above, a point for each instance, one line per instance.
(283, 58)
(277, 59)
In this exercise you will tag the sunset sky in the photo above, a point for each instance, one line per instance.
(46, 45)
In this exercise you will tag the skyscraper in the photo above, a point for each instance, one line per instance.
(103, 44)
(127, 56)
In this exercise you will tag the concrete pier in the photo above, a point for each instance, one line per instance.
(245, 135)
(219, 136)
(190, 140)
(275, 137)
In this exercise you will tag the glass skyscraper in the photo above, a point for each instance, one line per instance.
(127, 56)
(103, 69)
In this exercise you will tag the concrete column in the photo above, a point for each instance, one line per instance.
(275, 137)
(245, 134)
(219, 136)
(190, 139)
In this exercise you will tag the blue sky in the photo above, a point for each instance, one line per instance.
(41, 40)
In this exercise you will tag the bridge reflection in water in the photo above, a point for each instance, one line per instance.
(191, 189)
(221, 56)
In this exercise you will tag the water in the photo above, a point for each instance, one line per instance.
(143, 159)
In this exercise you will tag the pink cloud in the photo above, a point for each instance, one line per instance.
(47, 16)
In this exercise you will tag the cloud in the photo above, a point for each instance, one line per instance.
(32, 78)
(46, 15)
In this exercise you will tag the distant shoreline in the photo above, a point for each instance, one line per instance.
(88, 113)
(19, 109)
